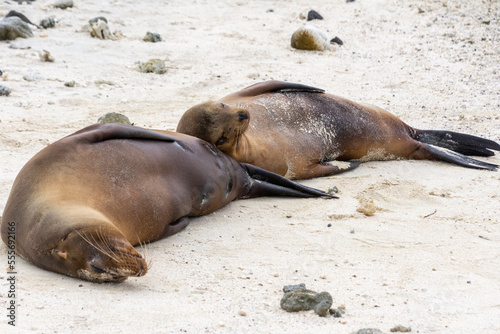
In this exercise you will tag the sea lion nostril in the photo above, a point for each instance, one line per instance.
(242, 116)
(97, 269)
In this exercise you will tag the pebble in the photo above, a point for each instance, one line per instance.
(70, 83)
(301, 299)
(99, 28)
(333, 190)
(152, 37)
(153, 66)
(63, 4)
(33, 76)
(314, 15)
(47, 23)
(114, 117)
(13, 27)
(310, 38)
(401, 329)
(46, 56)
(368, 331)
(4, 91)
(336, 40)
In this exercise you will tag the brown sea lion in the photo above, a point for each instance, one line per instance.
(80, 205)
(301, 132)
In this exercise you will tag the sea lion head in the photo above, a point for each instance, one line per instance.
(98, 254)
(215, 122)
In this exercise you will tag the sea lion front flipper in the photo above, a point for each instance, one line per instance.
(275, 86)
(266, 183)
(175, 227)
(327, 168)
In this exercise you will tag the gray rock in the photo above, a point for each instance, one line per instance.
(114, 117)
(152, 37)
(153, 66)
(4, 91)
(63, 4)
(302, 299)
(47, 23)
(14, 27)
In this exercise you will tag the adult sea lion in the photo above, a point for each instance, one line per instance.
(301, 132)
(80, 205)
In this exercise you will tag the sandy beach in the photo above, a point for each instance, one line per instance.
(428, 258)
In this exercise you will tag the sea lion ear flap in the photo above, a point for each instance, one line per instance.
(62, 254)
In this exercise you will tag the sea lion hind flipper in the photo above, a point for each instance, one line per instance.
(275, 86)
(447, 155)
(110, 131)
(458, 142)
(266, 183)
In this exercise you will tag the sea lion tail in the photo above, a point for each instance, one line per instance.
(445, 154)
(458, 142)
(266, 183)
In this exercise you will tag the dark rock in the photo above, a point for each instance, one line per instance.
(47, 23)
(4, 91)
(302, 299)
(336, 40)
(152, 37)
(14, 27)
(314, 15)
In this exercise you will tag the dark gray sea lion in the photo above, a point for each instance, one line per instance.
(301, 132)
(80, 205)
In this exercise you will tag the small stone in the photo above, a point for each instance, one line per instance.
(401, 329)
(152, 37)
(368, 331)
(99, 28)
(336, 313)
(114, 117)
(33, 76)
(4, 91)
(45, 56)
(288, 288)
(70, 83)
(314, 15)
(47, 23)
(63, 4)
(336, 40)
(96, 19)
(14, 27)
(302, 299)
(367, 207)
(333, 190)
(153, 66)
(310, 38)
(352, 231)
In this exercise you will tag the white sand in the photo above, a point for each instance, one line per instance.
(428, 258)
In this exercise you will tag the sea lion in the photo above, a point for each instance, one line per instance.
(80, 205)
(301, 132)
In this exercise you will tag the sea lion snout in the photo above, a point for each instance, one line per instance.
(114, 260)
(99, 254)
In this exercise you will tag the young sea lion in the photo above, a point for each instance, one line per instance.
(301, 132)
